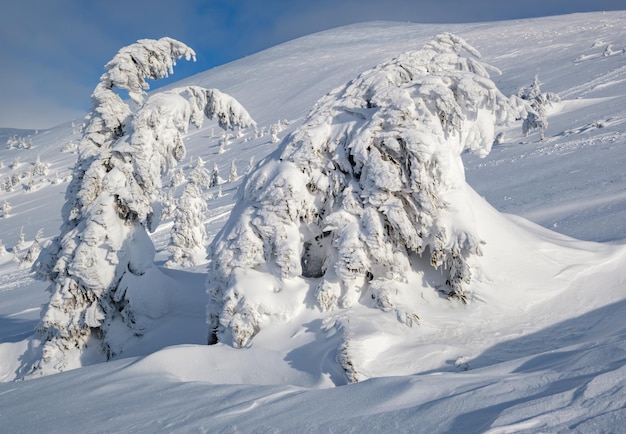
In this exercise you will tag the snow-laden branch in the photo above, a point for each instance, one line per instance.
(146, 59)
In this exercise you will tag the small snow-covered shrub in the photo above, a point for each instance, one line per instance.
(6, 209)
(216, 179)
(232, 175)
(537, 117)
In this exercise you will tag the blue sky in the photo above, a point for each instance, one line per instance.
(52, 52)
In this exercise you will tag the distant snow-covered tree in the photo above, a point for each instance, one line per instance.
(274, 130)
(34, 249)
(187, 246)
(232, 176)
(537, 117)
(39, 168)
(15, 181)
(277, 128)
(200, 174)
(21, 241)
(224, 141)
(97, 264)
(250, 165)
(69, 147)
(30, 186)
(177, 178)
(372, 181)
(215, 176)
(6, 209)
(56, 180)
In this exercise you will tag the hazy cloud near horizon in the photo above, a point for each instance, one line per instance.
(53, 51)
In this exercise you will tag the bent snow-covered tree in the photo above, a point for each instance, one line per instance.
(352, 200)
(100, 264)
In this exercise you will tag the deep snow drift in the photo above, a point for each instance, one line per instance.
(538, 347)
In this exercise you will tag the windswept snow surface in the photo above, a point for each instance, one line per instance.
(541, 347)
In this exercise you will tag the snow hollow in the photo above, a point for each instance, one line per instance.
(412, 228)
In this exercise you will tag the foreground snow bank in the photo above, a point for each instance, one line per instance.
(541, 384)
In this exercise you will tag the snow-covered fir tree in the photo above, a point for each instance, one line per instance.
(187, 245)
(35, 248)
(537, 116)
(274, 130)
(277, 128)
(9, 186)
(39, 168)
(97, 264)
(56, 180)
(30, 186)
(224, 142)
(215, 176)
(177, 178)
(232, 175)
(370, 189)
(200, 174)
(69, 147)
(6, 209)
(21, 241)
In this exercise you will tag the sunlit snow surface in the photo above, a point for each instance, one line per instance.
(540, 348)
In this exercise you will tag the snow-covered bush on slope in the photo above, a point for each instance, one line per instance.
(540, 102)
(370, 182)
(103, 283)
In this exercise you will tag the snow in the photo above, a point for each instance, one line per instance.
(539, 347)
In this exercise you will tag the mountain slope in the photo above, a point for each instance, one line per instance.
(552, 360)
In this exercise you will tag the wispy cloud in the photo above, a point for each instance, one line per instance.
(52, 52)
